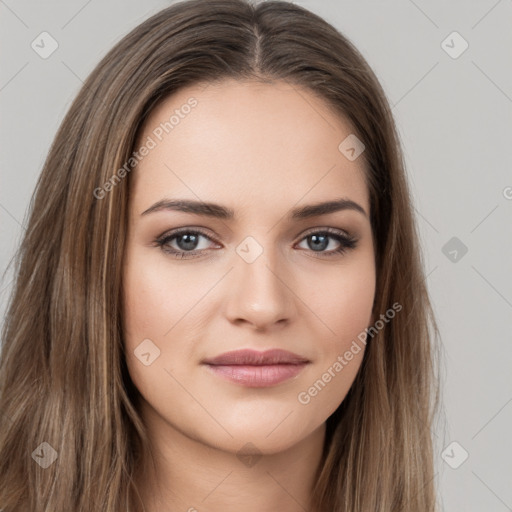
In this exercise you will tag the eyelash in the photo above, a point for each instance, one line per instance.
(346, 242)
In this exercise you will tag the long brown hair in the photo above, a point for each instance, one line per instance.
(63, 378)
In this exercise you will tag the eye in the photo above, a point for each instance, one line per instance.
(187, 240)
(318, 241)
(186, 243)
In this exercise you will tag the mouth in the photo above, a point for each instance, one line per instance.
(252, 368)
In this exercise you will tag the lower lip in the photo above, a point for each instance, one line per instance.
(257, 376)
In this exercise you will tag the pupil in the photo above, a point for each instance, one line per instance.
(320, 245)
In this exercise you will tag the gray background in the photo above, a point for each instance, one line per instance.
(454, 117)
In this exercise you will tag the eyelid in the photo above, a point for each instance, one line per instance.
(329, 230)
(187, 229)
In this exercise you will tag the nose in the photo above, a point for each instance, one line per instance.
(260, 294)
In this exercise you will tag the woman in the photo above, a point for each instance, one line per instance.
(220, 301)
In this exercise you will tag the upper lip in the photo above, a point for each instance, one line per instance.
(256, 358)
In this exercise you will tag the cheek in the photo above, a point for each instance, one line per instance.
(342, 301)
(160, 299)
(340, 351)
(352, 314)
(157, 296)
(326, 390)
(153, 305)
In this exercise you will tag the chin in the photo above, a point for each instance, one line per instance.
(263, 437)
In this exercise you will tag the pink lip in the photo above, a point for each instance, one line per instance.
(257, 369)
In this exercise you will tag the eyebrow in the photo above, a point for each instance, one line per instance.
(223, 212)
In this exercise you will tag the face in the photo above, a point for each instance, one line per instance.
(224, 255)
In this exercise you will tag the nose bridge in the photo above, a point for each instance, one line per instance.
(259, 291)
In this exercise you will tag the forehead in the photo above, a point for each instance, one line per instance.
(244, 143)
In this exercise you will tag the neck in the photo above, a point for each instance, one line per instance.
(190, 476)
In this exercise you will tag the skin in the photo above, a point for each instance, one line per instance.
(260, 149)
